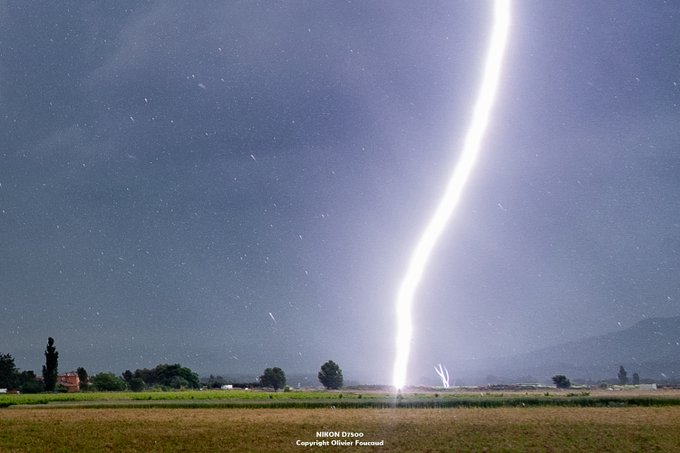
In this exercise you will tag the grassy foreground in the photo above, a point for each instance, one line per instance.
(29, 429)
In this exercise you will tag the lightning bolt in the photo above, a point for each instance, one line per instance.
(454, 189)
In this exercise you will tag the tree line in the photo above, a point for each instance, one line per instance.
(163, 376)
(561, 381)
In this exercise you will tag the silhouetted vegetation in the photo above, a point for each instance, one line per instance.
(7, 371)
(108, 382)
(273, 377)
(50, 369)
(83, 378)
(561, 381)
(330, 375)
(170, 376)
(214, 382)
(136, 384)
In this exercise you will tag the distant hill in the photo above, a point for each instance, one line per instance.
(650, 348)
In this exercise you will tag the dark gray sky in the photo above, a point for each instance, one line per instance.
(234, 185)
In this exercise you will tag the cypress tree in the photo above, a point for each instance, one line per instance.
(49, 370)
(623, 376)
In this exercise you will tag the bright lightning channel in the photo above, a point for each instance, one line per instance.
(447, 204)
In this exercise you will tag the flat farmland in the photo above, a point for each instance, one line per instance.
(64, 429)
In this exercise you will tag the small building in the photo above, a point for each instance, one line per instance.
(69, 380)
(647, 387)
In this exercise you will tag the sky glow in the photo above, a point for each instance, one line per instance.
(171, 175)
(454, 189)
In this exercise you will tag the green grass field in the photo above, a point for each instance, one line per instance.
(258, 421)
(344, 399)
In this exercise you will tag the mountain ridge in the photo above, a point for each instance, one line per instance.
(651, 348)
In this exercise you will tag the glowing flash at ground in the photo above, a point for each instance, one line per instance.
(434, 229)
